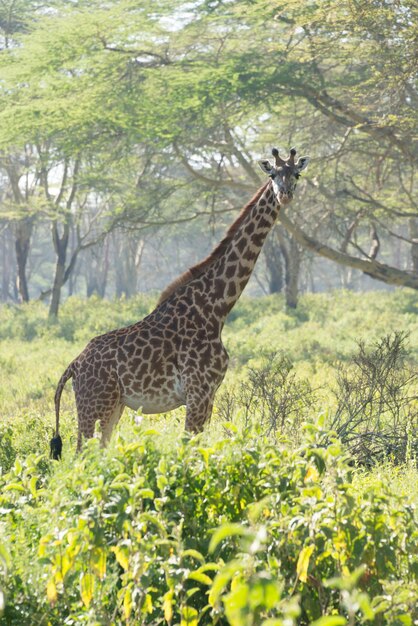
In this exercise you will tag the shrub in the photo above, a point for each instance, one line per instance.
(7, 449)
(377, 414)
(241, 532)
(272, 395)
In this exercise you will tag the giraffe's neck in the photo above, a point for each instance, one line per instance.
(227, 277)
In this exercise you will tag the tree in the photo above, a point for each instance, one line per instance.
(15, 16)
(168, 112)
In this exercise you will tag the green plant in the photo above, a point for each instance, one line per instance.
(230, 528)
(238, 532)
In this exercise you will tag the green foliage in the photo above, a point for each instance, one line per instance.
(80, 320)
(323, 327)
(234, 529)
(139, 106)
(239, 532)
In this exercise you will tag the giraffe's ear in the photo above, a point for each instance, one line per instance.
(302, 163)
(266, 166)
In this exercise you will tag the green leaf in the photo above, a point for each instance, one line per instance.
(348, 581)
(189, 616)
(98, 562)
(14, 487)
(223, 578)
(150, 432)
(51, 592)
(236, 602)
(127, 603)
(146, 494)
(65, 563)
(152, 519)
(194, 554)
(200, 578)
(209, 567)
(32, 486)
(168, 606)
(5, 556)
(147, 606)
(122, 556)
(227, 530)
(404, 619)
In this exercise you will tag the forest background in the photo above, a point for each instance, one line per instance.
(129, 136)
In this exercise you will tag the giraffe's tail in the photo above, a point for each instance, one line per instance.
(56, 441)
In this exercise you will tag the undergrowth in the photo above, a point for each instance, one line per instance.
(241, 532)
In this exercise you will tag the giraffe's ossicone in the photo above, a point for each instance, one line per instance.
(175, 355)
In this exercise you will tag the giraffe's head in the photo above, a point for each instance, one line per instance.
(284, 173)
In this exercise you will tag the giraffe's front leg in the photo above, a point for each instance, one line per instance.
(201, 379)
(198, 410)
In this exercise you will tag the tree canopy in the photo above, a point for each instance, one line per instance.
(151, 111)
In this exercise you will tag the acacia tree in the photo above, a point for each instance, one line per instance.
(18, 206)
(328, 73)
(208, 91)
(69, 141)
(354, 66)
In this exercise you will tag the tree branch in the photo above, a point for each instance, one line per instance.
(206, 179)
(343, 114)
(374, 269)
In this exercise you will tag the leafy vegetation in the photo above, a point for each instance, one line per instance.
(114, 118)
(243, 525)
(237, 532)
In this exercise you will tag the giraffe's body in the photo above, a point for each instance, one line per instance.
(175, 355)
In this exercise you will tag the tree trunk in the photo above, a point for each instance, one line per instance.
(60, 245)
(72, 279)
(413, 235)
(97, 269)
(292, 258)
(127, 265)
(23, 234)
(292, 275)
(56, 288)
(274, 263)
(7, 269)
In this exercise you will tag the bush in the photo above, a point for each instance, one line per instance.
(272, 395)
(252, 529)
(377, 413)
(242, 532)
(79, 319)
(7, 450)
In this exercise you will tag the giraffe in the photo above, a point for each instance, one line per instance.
(175, 355)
